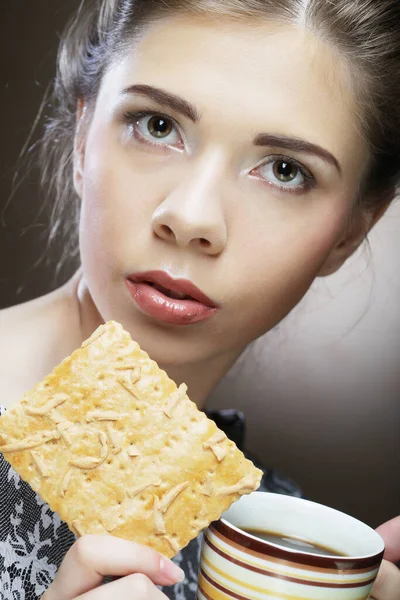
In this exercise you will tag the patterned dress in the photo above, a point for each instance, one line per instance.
(34, 541)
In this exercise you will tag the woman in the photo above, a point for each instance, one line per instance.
(221, 156)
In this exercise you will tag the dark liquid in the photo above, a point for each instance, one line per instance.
(292, 543)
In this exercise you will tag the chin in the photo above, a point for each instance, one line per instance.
(168, 345)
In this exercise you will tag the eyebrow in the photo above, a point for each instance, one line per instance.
(165, 99)
(296, 145)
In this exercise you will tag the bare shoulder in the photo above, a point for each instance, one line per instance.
(33, 340)
(20, 322)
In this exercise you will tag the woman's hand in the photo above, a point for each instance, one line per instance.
(93, 557)
(387, 585)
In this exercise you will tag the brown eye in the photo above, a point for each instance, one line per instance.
(285, 171)
(286, 174)
(159, 127)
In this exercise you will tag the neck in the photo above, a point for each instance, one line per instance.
(201, 377)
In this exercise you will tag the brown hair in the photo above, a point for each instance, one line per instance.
(365, 32)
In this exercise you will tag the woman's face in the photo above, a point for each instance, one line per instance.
(225, 155)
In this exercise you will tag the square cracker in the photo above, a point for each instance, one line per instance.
(114, 447)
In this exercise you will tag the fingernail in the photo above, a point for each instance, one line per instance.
(171, 571)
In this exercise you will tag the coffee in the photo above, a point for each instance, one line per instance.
(293, 543)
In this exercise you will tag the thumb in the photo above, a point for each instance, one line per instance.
(390, 532)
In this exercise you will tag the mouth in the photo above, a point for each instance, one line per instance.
(174, 301)
(169, 293)
(176, 289)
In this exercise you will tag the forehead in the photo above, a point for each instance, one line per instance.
(267, 76)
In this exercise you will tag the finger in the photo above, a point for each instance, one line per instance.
(390, 532)
(93, 557)
(132, 587)
(387, 585)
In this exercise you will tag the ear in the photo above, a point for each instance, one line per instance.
(357, 231)
(79, 146)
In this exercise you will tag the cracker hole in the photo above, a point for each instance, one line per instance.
(211, 471)
(184, 428)
(174, 536)
(194, 420)
(109, 462)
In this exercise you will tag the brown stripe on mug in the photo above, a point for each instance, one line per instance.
(287, 563)
(257, 547)
(222, 589)
(206, 596)
(275, 575)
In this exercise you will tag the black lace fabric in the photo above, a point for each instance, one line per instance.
(34, 541)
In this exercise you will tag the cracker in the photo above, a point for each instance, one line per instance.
(115, 447)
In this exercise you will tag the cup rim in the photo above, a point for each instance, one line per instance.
(258, 545)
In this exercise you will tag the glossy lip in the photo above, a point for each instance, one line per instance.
(154, 301)
(182, 286)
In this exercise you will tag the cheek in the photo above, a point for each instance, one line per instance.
(283, 257)
(116, 201)
(98, 226)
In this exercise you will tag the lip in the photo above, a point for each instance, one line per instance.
(182, 286)
(158, 305)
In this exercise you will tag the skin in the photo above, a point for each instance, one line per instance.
(200, 207)
(208, 189)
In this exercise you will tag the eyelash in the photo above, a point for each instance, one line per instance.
(309, 179)
(132, 118)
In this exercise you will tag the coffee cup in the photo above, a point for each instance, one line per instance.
(286, 548)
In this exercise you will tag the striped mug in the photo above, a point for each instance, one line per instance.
(340, 562)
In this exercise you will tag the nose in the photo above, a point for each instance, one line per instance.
(192, 216)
